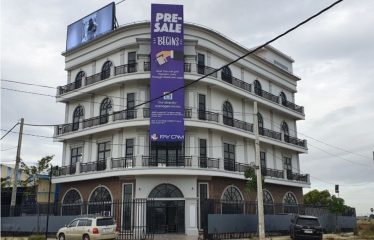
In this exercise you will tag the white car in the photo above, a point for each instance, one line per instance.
(89, 228)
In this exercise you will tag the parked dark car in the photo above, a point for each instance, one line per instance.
(306, 227)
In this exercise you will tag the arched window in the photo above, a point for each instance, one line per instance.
(268, 202)
(226, 74)
(105, 108)
(105, 70)
(228, 114)
(232, 201)
(72, 203)
(78, 79)
(100, 202)
(285, 131)
(290, 203)
(258, 88)
(166, 191)
(77, 115)
(260, 121)
(283, 99)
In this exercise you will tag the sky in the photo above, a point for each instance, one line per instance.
(334, 56)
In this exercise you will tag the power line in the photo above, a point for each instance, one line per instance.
(8, 149)
(9, 131)
(29, 84)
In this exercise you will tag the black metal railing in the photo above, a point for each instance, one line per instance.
(125, 114)
(236, 82)
(267, 95)
(270, 133)
(126, 68)
(207, 162)
(295, 141)
(99, 165)
(207, 115)
(66, 170)
(201, 69)
(167, 161)
(243, 125)
(97, 77)
(292, 106)
(147, 67)
(66, 128)
(69, 87)
(297, 176)
(275, 173)
(96, 121)
(233, 166)
(123, 162)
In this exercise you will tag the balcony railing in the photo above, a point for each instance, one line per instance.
(67, 170)
(147, 67)
(69, 87)
(230, 165)
(123, 162)
(295, 141)
(97, 77)
(267, 95)
(293, 106)
(243, 125)
(66, 128)
(96, 121)
(207, 162)
(297, 176)
(125, 114)
(187, 113)
(201, 69)
(127, 68)
(270, 133)
(275, 173)
(167, 161)
(236, 82)
(207, 115)
(99, 165)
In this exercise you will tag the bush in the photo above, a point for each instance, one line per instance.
(37, 237)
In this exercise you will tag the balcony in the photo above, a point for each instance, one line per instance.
(274, 173)
(66, 128)
(270, 133)
(167, 161)
(125, 114)
(99, 165)
(123, 162)
(230, 165)
(236, 82)
(127, 68)
(207, 162)
(204, 70)
(297, 176)
(207, 116)
(293, 106)
(95, 121)
(267, 95)
(67, 170)
(238, 124)
(295, 141)
(69, 87)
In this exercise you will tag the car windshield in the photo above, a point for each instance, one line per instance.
(104, 221)
(307, 222)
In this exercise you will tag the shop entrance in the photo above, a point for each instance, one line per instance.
(163, 215)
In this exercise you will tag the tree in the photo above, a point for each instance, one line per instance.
(32, 171)
(336, 205)
(317, 198)
(250, 175)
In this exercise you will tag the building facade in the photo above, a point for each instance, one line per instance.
(107, 152)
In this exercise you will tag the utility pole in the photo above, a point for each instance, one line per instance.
(49, 201)
(260, 201)
(18, 159)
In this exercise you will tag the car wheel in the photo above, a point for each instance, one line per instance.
(86, 237)
(61, 236)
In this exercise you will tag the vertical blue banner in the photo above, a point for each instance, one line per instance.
(167, 73)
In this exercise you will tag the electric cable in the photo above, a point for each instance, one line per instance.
(8, 149)
(8, 131)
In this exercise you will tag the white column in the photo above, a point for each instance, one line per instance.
(191, 217)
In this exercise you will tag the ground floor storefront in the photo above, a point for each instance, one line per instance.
(171, 204)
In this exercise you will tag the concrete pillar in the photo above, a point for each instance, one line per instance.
(191, 217)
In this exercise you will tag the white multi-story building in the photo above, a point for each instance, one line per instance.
(107, 154)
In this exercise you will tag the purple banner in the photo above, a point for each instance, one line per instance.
(167, 73)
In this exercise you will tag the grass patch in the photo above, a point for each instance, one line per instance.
(36, 237)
